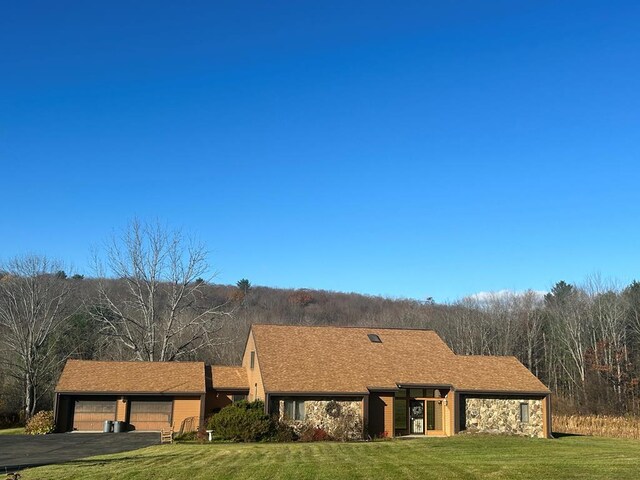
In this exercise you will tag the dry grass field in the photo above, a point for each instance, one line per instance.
(598, 425)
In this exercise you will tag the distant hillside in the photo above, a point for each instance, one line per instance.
(313, 307)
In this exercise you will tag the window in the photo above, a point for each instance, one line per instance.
(252, 362)
(238, 398)
(524, 412)
(294, 409)
(374, 338)
(400, 413)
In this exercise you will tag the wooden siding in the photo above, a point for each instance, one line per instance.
(449, 414)
(256, 387)
(388, 414)
(380, 415)
(185, 407)
(121, 409)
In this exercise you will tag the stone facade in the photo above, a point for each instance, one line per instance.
(500, 415)
(341, 419)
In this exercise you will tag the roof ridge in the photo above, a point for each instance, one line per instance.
(363, 327)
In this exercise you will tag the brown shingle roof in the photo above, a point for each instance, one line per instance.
(132, 377)
(485, 373)
(231, 378)
(343, 359)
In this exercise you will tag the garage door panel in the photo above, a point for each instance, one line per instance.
(90, 415)
(150, 414)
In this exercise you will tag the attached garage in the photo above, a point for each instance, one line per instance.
(90, 415)
(146, 396)
(150, 414)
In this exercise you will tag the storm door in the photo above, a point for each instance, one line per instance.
(416, 414)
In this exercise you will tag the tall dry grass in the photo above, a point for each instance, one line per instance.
(598, 425)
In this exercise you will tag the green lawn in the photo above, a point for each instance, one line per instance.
(466, 457)
(12, 431)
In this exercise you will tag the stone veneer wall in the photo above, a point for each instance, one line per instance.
(499, 415)
(346, 426)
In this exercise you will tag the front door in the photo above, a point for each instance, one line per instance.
(416, 414)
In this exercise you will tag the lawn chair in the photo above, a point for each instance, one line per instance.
(166, 435)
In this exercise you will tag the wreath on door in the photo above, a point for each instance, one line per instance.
(417, 410)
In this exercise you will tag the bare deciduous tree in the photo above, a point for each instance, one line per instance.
(33, 305)
(156, 312)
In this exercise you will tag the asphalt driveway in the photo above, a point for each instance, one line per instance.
(22, 451)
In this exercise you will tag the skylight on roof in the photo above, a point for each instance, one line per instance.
(374, 338)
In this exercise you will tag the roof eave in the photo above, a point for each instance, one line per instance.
(229, 389)
(122, 392)
(424, 385)
(318, 393)
(504, 392)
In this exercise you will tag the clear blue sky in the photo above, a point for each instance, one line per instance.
(398, 148)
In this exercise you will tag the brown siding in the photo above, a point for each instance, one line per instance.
(388, 414)
(449, 413)
(121, 410)
(185, 407)
(256, 387)
(380, 414)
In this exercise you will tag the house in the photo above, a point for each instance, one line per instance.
(356, 380)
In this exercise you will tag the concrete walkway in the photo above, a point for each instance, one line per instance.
(22, 451)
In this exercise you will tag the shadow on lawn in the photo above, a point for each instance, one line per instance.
(564, 434)
(7, 469)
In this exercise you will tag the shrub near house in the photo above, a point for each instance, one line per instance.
(241, 422)
(40, 424)
(245, 421)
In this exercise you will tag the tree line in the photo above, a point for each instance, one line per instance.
(150, 299)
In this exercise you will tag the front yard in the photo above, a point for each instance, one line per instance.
(465, 457)
(12, 431)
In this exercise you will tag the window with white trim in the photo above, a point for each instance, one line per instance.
(524, 412)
